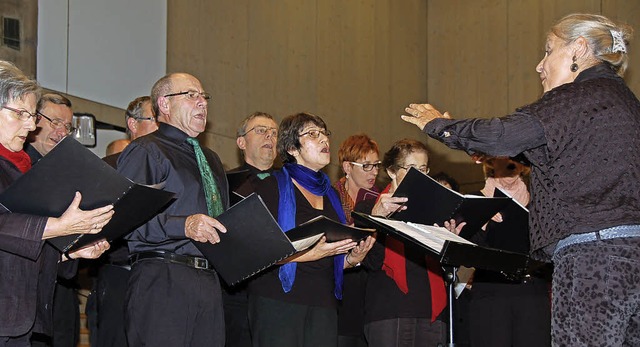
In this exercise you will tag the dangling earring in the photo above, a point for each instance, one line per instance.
(574, 66)
(347, 176)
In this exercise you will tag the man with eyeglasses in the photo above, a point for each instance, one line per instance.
(140, 121)
(174, 296)
(55, 115)
(140, 118)
(256, 137)
(105, 306)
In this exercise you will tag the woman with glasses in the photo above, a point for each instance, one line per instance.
(359, 157)
(28, 265)
(294, 304)
(405, 292)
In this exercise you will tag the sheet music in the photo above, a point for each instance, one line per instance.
(431, 236)
(305, 243)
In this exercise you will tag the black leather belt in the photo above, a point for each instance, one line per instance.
(194, 262)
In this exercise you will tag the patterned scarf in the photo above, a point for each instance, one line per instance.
(347, 203)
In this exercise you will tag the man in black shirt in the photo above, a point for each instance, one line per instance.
(174, 296)
(105, 305)
(256, 138)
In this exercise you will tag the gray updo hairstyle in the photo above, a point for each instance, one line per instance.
(597, 30)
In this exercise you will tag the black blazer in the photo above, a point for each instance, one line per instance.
(28, 268)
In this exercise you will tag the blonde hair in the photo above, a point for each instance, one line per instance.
(597, 31)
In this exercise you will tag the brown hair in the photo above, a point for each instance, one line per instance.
(289, 133)
(356, 147)
(400, 150)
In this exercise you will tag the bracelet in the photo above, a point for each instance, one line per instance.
(348, 262)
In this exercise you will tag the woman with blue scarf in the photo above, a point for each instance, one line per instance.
(295, 304)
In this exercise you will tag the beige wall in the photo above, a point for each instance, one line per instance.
(358, 63)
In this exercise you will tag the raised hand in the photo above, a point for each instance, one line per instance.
(421, 114)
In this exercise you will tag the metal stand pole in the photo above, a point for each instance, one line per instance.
(450, 278)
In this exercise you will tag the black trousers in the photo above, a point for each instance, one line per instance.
(17, 341)
(278, 324)
(66, 318)
(173, 305)
(405, 332)
(510, 315)
(236, 317)
(108, 307)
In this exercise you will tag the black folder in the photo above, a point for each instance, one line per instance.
(254, 241)
(237, 179)
(513, 209)
(430, 202)
(333, 230)
(447, 247)
(49, 187)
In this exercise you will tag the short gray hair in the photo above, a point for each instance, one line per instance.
(14, 84)
(242, 128)
(134, 110)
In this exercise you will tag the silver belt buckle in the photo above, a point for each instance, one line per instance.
(200, 263)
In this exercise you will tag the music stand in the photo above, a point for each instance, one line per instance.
(451, 250)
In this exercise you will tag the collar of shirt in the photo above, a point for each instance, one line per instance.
(172, 133)
(602, 70)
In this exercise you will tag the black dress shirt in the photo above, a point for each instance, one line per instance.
(164, 158)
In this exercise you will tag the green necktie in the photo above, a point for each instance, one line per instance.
(214, 203)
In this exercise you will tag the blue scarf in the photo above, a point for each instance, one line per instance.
(318, 184)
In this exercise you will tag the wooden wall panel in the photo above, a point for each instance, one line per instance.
(407, 80)
(359, 63)
(282, 56)
(628, 12)
(210, 40)
(467, 70)
(370, 64)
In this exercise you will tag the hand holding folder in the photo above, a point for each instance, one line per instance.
(446, 246)
(254, 241)
(50, 186)
(432, 203)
